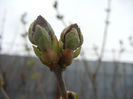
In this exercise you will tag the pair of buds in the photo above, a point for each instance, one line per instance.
(50, 51)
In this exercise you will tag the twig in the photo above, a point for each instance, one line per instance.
(115, 78)
(58, 73)
(94, 85)
(4, 93)
(116, 64)
(58, 15)
(94, 75)
(104, 35)
(2, 83)
(125, 93)
(105, 29)
(2, 29)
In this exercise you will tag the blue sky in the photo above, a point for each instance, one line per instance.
(88, 14)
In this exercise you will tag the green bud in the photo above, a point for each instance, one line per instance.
(48, 49)
(45, 43)
(1, 80)
(72, 95)
(72, 37)
(49, 57)
(66, 59)
(42, 35)
(77, 52)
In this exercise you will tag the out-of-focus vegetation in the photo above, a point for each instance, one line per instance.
(25, 78)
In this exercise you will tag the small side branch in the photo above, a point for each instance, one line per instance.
(4, 93)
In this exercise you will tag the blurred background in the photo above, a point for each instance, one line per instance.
(104, 68)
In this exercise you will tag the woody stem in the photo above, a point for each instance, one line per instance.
(58, 73)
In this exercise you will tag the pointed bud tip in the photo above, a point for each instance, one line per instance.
(71, 27)
(39, 21)
(72, 37)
